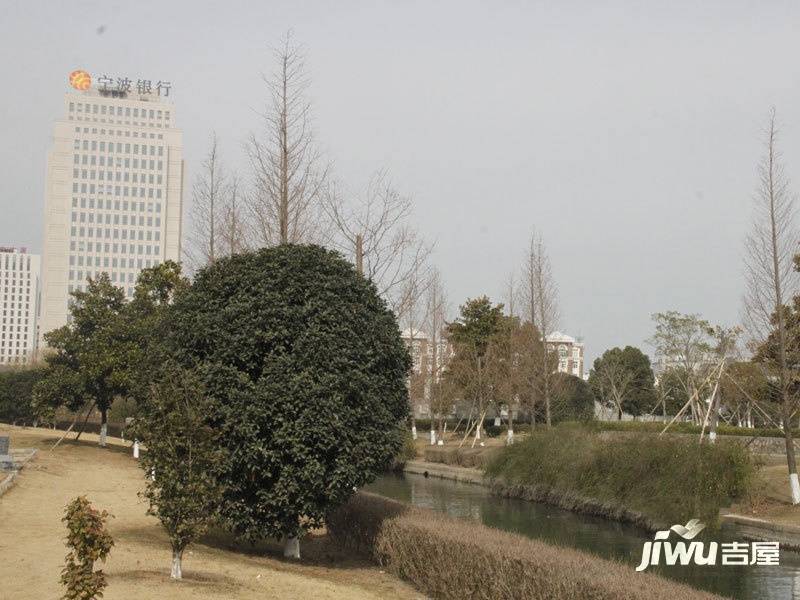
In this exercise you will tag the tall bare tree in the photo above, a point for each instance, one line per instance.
(233, 230)
(540, 299)
(375, 230)
(511, 294)
(436, 312)
(771, 281)
(289, 175)
(208, 191)
(414, 319)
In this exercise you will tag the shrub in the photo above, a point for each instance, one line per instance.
(669, 479)
(681, 427)
(88, 542)
(408, 451)
(461, 457)
(454, 558)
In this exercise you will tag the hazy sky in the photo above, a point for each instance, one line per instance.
(628, 133)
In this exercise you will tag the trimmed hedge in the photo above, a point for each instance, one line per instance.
(454, 558)
(678, 427)
(668, 479)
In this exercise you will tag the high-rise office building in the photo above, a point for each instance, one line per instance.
(19, 296)
(114, 189)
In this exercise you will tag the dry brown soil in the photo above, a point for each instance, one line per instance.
(32, 546)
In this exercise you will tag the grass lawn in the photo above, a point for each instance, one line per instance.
(32, 546)
(771, 498)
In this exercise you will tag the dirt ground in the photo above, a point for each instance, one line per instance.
(32, 546)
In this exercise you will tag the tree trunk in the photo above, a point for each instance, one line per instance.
(291, 547)
(714, 408)
(177, 556)
(433, 435)
(103, 426)
(478, 429)
(510, 439)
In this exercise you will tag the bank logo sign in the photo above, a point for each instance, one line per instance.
(663, 551)
(80, 80)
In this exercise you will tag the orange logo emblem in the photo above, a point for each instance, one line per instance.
(80, 80)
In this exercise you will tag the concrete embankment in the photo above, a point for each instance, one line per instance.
(761, 530)
(442, 471)
(543, 494)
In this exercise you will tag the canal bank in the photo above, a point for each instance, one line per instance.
(745, 527)
(468, 497)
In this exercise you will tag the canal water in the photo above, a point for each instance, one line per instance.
(608, 539)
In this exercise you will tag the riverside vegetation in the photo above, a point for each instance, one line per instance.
(667, 480)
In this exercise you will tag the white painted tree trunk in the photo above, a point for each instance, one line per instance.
(103, 432)
(176, 565)
(291, 547)
(414, 432)
(795, 485)
(478, 431)
(136, 449)
(433, 437)
(510, 437)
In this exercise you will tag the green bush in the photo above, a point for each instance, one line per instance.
(88, 541)
(454, 558)
(408, 451)
(669, 479)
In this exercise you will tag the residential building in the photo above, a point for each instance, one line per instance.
(19, 299)
(570, 353)
(114, 189)
(425, 365)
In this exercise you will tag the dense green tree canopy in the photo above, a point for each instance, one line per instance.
(307, 370)
(16, 394)
(85, 356)
(572, 399)
(110, 347)
(623, 378)
(478, 321)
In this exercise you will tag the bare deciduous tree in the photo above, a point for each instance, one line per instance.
(376, 232)
(414, 318)
(233, 231)
(686, 342)
(540, 299)
(436, 309)
(288, 172)
(207, 199)
(771, 280)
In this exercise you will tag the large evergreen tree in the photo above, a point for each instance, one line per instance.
(623, 378)
(307, 372)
